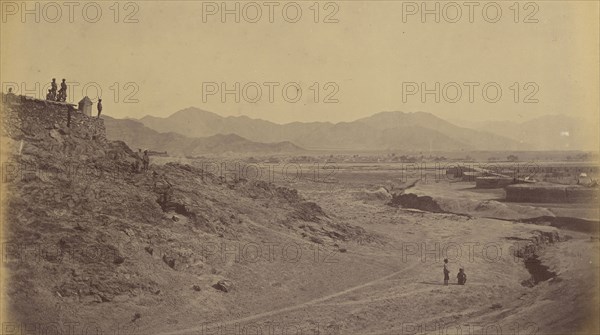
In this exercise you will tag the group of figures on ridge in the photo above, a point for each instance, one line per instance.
(61, 95)
(54, 94)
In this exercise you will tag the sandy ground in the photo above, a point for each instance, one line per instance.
(393, 284)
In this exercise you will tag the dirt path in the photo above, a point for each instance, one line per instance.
(290, 308)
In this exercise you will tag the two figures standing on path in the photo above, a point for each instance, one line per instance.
(461, 276)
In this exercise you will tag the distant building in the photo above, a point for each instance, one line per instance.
(86, 106)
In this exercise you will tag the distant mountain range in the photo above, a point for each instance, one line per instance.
(383, 131)
(193, 131)
(136, 135)
(549, 132)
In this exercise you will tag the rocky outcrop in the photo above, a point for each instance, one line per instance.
(424, 203)
(529, 251)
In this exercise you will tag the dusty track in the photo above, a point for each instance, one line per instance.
(290, 308)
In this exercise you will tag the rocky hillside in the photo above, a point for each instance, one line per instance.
(88, 239)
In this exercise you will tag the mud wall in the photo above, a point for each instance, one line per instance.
(492, 182)
(550, 194)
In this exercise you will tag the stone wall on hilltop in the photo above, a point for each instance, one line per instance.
(24, 114)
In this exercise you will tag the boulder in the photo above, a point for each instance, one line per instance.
(223, 285)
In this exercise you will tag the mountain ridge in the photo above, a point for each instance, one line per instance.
(549, 132)
(369, 133)
(138, 135)
(386, 130)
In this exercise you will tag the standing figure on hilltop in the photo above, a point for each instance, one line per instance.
(462, 276)
(52, 91)
(165, 189)
(138, 160)
(446, 272)
(10, 96)
(146, 160)
(99, 107)
(154, 178)
(62, 93)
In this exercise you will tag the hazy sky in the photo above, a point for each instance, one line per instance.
(171, 55)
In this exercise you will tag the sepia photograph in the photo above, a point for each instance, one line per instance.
(305, 167)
